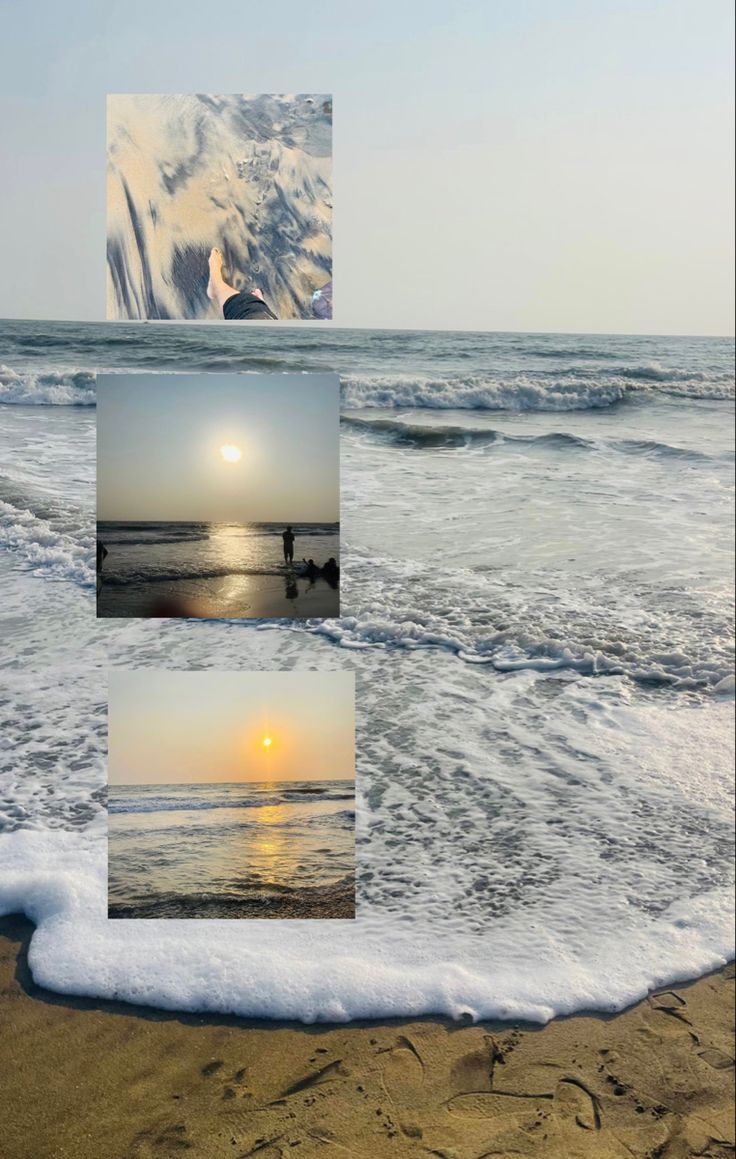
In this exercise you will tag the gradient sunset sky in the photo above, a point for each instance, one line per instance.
(170, 727)
(159, 440)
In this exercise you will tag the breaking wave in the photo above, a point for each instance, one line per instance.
(62, 553)
(567, 391)
(47, 388)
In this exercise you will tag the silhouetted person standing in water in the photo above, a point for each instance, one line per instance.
(288, 538)
(101, 553)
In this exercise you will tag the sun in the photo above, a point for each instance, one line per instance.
(230, 453)
(267, 742)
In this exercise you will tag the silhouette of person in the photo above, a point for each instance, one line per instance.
(288, 538)
(310, 568)
(101, 553)
(331, 569)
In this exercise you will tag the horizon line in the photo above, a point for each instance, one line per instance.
(260, 781)
(300, 324)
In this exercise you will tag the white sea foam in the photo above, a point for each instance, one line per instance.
(64, 554)
(299, 970)
(483, 619)
(47, 388)
(509, 651)
(488, 911)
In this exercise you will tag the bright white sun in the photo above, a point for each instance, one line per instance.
(267, 742)
(231, 453)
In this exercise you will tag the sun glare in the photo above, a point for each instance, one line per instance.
(267, 742)
(230, 453)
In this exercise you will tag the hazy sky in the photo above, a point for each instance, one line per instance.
(499, 164)
(167, 727)
(159, 440)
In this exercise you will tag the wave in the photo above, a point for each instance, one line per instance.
(338, 971)
(568, 389)
(64, 554)
(47, 388)
(655, 372)
(478, 392)
(516, 650)
(413, 435)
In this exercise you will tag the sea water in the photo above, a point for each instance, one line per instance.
(536, 596)
(218, 568)
(252, 850)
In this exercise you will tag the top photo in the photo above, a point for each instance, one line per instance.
(219, 207)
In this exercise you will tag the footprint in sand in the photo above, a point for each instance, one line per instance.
(560, 1113)
(169, 1140)
(402, 1078)
(716, 1058)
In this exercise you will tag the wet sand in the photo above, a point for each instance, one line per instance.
(250, 597)
(101, 1080)
(323, 903)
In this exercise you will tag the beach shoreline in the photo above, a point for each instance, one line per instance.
(656, 1079)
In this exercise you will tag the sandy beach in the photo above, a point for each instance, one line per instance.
(88, 1079)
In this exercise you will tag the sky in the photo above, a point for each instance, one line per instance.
(533, 165)
(160, 441)
(169, 727)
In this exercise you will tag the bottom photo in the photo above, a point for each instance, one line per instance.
(231, 794)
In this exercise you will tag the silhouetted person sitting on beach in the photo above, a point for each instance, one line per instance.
(288, 538)
(236, 305)
(311, 570)
(101, 553)
(331, 573)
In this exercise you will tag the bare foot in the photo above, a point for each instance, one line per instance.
(216, 278)
(258, 294)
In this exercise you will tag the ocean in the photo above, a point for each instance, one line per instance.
(536, 597)
(214, 570)
(255, 850)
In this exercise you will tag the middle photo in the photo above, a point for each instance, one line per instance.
(218, 496)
